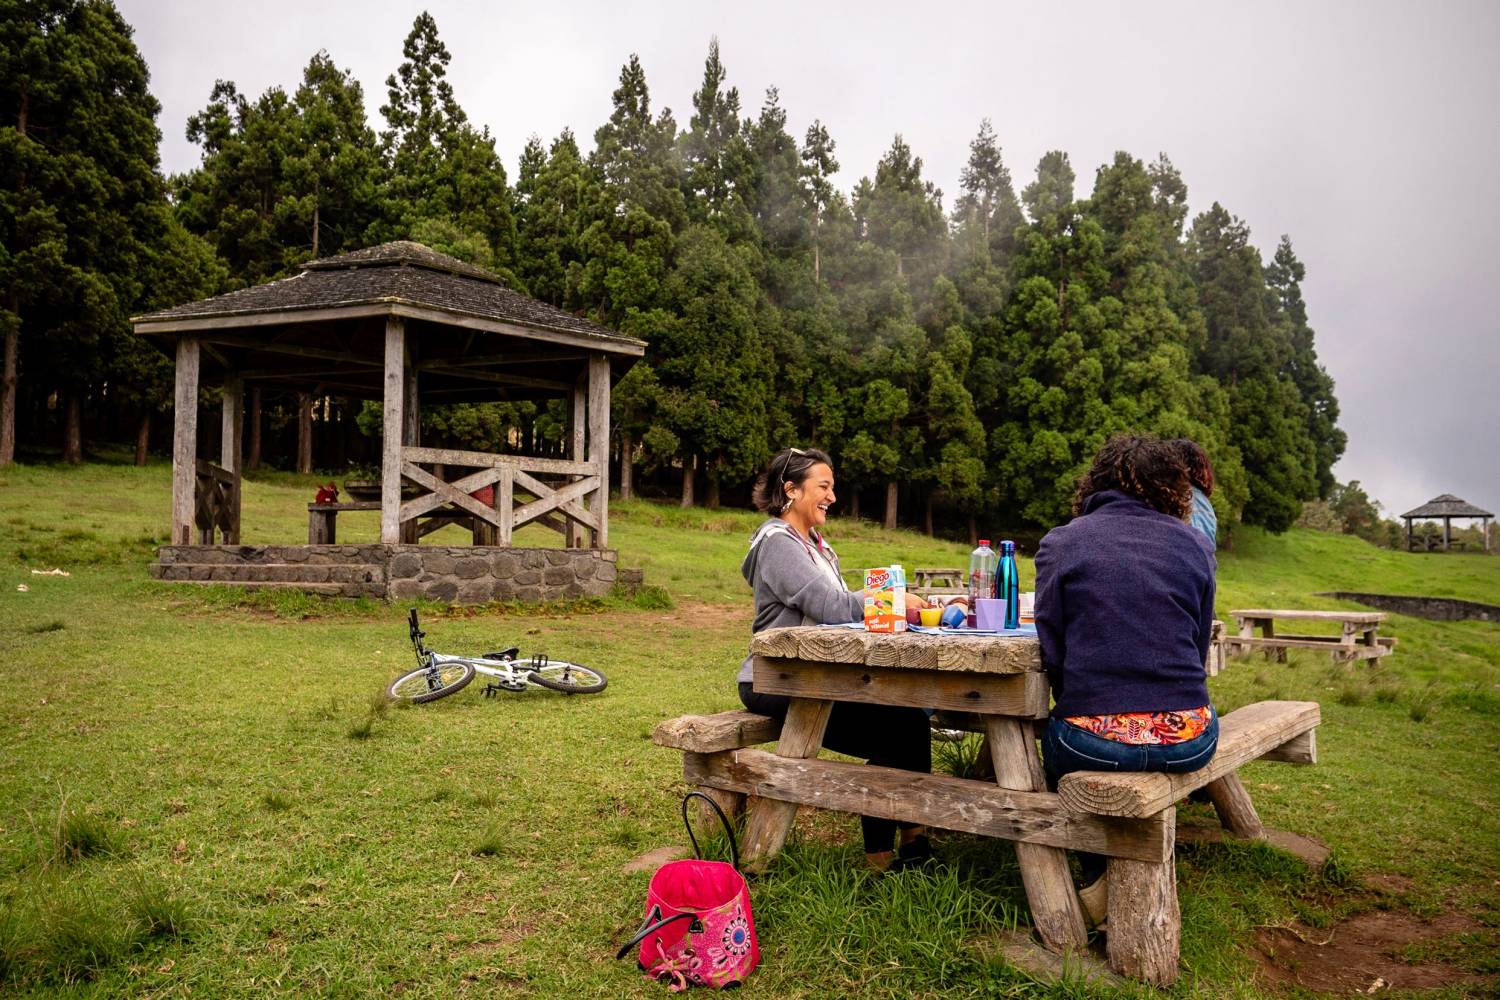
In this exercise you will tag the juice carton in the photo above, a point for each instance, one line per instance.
(885, 599)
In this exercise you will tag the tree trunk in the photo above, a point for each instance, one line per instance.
(73, 428)
(927, 514)
(711, 500)
(8, 389)
(973, 530)
(854, 503)
(143, 437)
(252, 461)
(304, 433)
(11, 375)
(688, 466)
(890, 505)
(627, 468)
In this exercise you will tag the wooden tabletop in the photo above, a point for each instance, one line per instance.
(1356, 617)
(982, 654)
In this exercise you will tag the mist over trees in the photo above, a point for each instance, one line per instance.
(961, 364)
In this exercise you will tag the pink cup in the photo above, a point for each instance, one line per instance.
(989, 613)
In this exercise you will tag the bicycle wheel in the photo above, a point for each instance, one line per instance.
(423, 685)
(569, 678)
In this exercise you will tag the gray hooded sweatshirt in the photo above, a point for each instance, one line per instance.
(794, 582)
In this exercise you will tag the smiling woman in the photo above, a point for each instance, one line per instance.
(795, 575)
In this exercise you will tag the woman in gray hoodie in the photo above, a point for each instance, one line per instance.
(795, 576)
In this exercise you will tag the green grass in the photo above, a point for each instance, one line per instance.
(209, 793)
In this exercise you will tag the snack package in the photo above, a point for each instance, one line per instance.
(885, 599)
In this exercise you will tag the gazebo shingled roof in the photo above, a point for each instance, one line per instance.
(399, 272)
(408, 326)
(1447, 505)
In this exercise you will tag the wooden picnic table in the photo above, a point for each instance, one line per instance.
(322, 522)
(998, 683)
(1358, 638)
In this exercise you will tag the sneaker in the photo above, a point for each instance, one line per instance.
(1095, 900)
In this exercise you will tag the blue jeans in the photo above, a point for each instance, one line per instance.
(1067, 748)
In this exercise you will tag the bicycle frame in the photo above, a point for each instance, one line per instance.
(509, 673)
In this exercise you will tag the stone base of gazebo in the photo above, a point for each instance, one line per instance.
(467, 574)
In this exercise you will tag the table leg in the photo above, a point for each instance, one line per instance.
(1236, 812)
(1268, 631)
(1145, 925)
(769, 820)
(1055, 909)
(1247, 631)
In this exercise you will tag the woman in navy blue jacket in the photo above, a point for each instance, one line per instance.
(1124, 608)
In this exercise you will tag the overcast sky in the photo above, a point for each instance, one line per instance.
(1365, 130)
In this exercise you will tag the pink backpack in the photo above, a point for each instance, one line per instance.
(698, 930)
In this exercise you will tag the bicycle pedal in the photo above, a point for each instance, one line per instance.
(490, 690)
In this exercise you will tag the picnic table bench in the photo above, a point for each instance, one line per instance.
(1357, 640)
(998, 683)
(322, 522)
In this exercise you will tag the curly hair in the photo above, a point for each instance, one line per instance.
(789, 465)
(1200, 470)
(1147, 468)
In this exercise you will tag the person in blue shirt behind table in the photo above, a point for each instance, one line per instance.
(1124, 610)
(1201, 477)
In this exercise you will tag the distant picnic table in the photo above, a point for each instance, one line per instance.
(1358, 638)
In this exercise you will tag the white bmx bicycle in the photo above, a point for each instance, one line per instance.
(439, 674)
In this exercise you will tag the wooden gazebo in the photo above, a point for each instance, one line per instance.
(1447, 508)
(405, 325)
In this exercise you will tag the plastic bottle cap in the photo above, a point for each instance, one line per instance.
(984, 541)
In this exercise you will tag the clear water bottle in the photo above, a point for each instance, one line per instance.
(1008, 584)
(981, 575)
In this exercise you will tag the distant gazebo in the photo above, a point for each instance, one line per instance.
(405, 325)
(1446, 508)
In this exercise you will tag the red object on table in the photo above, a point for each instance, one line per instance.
(485, 495)
(327, 494)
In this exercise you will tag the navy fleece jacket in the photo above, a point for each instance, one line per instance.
(1124, 607)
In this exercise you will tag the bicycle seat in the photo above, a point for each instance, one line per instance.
(504, 654)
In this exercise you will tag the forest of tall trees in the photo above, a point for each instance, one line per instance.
(961, 364)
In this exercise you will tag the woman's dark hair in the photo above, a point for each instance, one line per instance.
(1200, 470)
(787, 465)
(1147, 468)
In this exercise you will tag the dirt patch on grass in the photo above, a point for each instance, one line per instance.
(1370, 952)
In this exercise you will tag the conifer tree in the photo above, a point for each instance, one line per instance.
(556, 192)
(627, 247)
(79, 197)
(1250, 356)
(446, 184)
(1284, 277)
(719, 169)
(818, 168)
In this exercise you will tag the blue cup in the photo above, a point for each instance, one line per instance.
(954, 616)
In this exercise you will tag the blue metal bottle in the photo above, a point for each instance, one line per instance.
(1008, 584)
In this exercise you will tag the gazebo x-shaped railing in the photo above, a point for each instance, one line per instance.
(405, 325)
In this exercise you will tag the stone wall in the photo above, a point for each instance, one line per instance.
(1442, 609)
(460, 574)
(467, 574)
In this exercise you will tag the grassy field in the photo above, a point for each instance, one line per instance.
(203, 793)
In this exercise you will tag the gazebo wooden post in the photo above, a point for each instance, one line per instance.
(578, 398)
(232, 425)
(185, 441)
(598, 444)
(392, 430)
(1447, 535)
(1408, 533)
